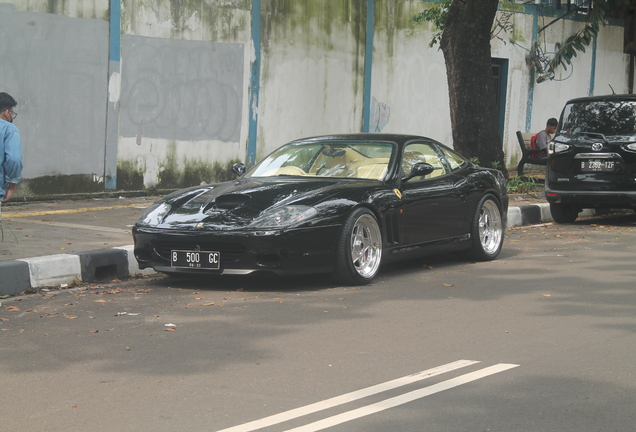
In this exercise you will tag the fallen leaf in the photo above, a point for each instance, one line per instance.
(447, 285)
(94, 331)
(70, 317)
(100, 301)
(547, 295)
(13, 309)
(171, 329)
(208, 304)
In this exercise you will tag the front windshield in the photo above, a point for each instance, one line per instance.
(601, 117)
(327, 159)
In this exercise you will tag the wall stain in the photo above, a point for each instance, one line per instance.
(129, 177)
(222, 19)
(56, 184)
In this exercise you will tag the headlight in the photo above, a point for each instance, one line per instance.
(557, 147)
(155, 214)
(284, 216)
(630, 147)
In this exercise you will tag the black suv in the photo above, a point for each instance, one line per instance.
(592, 159)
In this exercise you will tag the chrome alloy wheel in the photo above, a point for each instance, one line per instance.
(490, 227)
(366, 246)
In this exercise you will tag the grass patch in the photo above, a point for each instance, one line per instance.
(522, 184)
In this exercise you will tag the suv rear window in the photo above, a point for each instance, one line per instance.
(603, 117)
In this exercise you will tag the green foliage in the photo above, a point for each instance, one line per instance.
(565, 51)
(474, 160)
(435, 15)
(496, 164)
(578, 41)
(521, 184)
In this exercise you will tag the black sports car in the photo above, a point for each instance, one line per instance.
(339, 203)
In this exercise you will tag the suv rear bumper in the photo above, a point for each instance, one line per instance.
(592, 199)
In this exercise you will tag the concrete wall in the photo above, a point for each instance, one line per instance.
(185, 82)
(55, 66)
(168, 94)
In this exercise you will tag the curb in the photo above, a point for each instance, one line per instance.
(17, 276)
(533, 214)
(529, 214)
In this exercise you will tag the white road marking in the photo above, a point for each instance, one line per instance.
(348, 397)
(402, 399)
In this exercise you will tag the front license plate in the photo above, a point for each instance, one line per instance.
(195, 259)
(597, 165)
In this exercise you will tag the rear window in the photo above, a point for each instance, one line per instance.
(603, 117)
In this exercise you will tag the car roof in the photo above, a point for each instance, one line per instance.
(380, 137)
(612, 97)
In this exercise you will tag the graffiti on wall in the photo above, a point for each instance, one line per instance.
(181, 89)
(381, 114)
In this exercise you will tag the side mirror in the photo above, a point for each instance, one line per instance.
(238, 169)
(419, 169)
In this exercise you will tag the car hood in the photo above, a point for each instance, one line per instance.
(237, 204)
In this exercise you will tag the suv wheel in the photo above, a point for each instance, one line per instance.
(563, 213)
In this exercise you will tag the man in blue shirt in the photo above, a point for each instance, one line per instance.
(10, 148)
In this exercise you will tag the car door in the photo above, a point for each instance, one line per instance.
(435, 204)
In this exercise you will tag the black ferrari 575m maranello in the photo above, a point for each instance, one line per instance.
(339, 203)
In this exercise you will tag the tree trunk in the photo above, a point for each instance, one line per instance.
(466, 46)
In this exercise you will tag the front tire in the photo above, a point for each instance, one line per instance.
(359, 249)
(563, 213)
(487, 230)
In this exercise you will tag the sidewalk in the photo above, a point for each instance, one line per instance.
(60, 242)
(63, 242)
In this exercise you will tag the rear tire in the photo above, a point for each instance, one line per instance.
(563, 213)
(359, 249)
(487, 230)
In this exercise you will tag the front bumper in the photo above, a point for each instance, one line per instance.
(294, 251)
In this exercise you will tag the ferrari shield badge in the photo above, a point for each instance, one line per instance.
(398, 193)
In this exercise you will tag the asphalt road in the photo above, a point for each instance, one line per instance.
(546, 334)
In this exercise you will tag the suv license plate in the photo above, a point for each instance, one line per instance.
(195, 259)
(597, 165)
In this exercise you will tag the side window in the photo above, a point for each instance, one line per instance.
(454, 160)
(415, 153)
